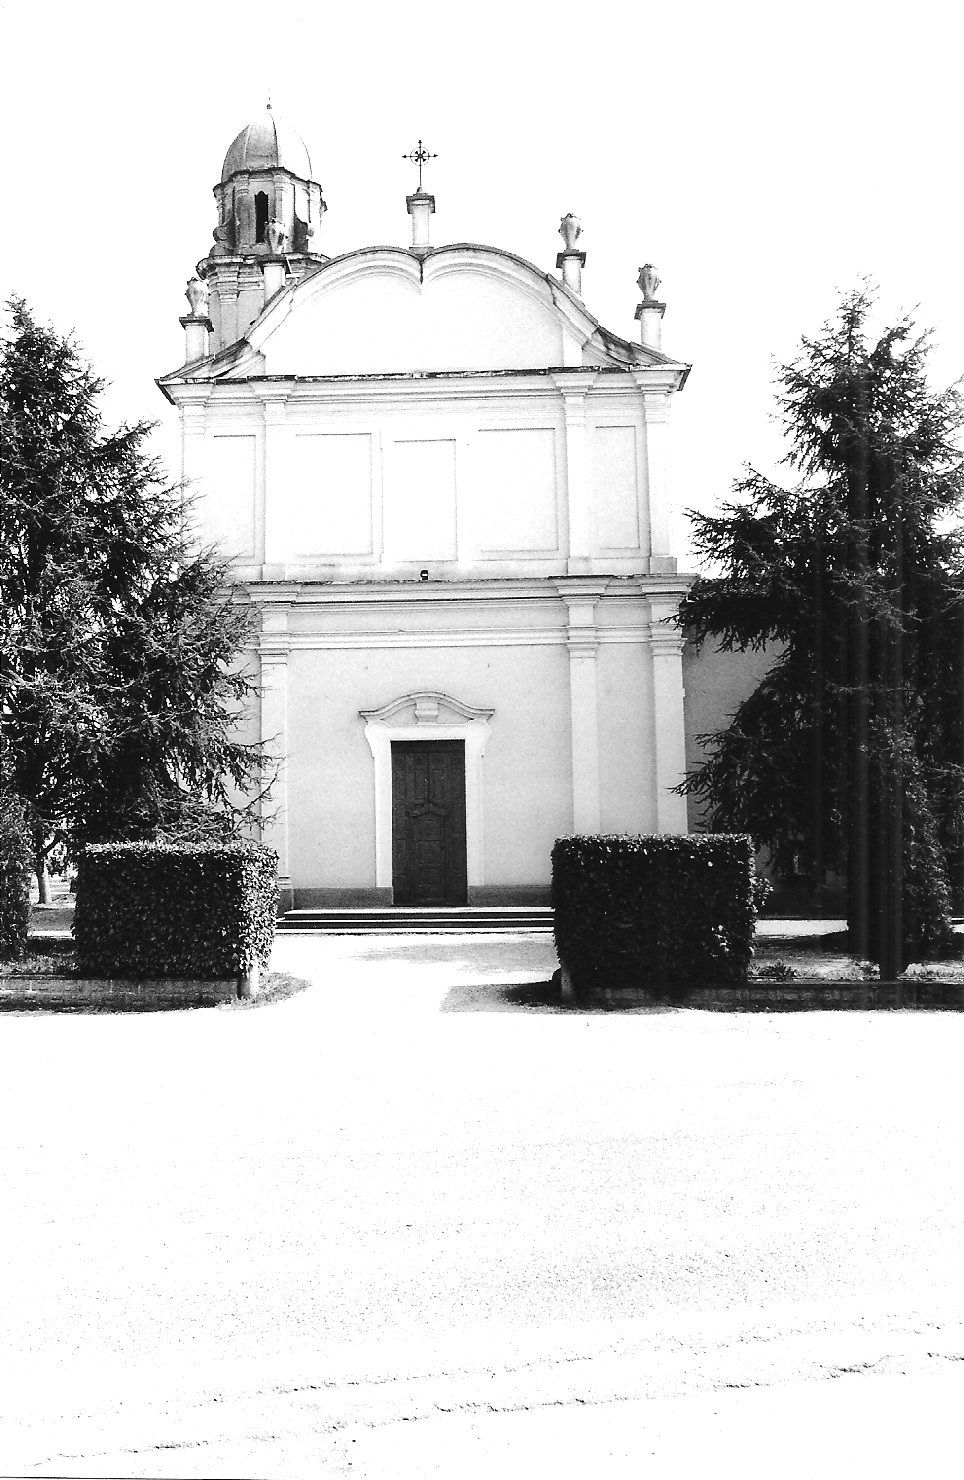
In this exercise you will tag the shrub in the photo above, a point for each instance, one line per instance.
(174, 910)
(15, 872)
(775, 971)
(663, 913)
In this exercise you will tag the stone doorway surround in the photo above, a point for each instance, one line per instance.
(428, 714)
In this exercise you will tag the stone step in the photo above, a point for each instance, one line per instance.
(465, 918)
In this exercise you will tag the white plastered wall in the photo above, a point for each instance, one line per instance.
(306, 482)
(525, 773)
(510, 665)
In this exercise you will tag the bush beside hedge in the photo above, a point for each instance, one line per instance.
(15, 870)
(664, 913)
(174, 910)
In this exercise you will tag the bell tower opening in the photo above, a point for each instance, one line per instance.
(260, 216)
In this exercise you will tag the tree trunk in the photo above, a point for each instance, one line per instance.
(40, 867)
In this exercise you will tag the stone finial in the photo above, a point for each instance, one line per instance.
(570, 229)
(571, 261)
(274, 233)
(196, 324)
(650, 311)
(197, 294)
(648, 282)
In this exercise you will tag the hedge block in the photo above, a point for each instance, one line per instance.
(15, 870)
(174, 910)
(665, 914)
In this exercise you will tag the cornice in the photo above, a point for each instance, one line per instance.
(598, 381)
(531, 590)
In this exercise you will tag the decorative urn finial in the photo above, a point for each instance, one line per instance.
(197, 294)
(648, 282)
(650, 312)
(570, 229)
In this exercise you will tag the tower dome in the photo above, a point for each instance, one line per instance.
(268, 201)
(269, 213)
(267, 144)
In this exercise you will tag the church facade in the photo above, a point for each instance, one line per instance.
(444, 484)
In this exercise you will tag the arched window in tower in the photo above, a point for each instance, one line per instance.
(260, 216)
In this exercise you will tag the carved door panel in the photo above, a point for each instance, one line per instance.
(428, 822)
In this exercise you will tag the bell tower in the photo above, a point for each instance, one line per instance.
(269, 214)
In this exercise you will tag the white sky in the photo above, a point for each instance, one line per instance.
(763, 156)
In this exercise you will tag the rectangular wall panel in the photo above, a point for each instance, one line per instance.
(514, 481)
(226, 508)
(328, 498)
(614, 485)
(420, 500)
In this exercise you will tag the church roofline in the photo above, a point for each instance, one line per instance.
(189, 376)
(633, 355)
(563, 298)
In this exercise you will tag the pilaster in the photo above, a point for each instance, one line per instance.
(572, 264)
(669, 735)
(649, 315)
(421, 208)
(275, 274)
(197, 336)
(273, 650)
(574, 390)
(582, 642)
(274, 410)
(226, 286)
(193, 429)
(656, 407)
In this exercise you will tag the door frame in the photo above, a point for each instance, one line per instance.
(428, 715)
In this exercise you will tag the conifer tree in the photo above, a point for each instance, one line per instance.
(850, 752)
(119, 641)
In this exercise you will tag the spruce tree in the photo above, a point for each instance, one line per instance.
(850, 752)
(119, 641)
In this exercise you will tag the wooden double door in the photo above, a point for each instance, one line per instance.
(428, 822)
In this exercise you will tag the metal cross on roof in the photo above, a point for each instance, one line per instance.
(420, 156)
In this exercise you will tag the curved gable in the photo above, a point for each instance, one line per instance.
(382, 310)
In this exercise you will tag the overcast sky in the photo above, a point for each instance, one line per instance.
(764, 157)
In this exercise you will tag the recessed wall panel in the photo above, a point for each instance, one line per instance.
(614, 484)
(420, 500)
(226, 510)
(329, 495)
(515, 491)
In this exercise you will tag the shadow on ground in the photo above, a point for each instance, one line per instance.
(526, 997)
(503, 997)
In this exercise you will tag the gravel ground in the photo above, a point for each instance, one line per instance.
(404, 1224)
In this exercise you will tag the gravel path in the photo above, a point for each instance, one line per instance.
(400, 1225)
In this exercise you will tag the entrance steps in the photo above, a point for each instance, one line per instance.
(418, 920)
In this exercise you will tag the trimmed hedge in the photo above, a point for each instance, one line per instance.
(16, 867)
(174, 910)
(664, 913)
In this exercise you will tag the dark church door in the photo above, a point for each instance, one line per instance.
(428, 822)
